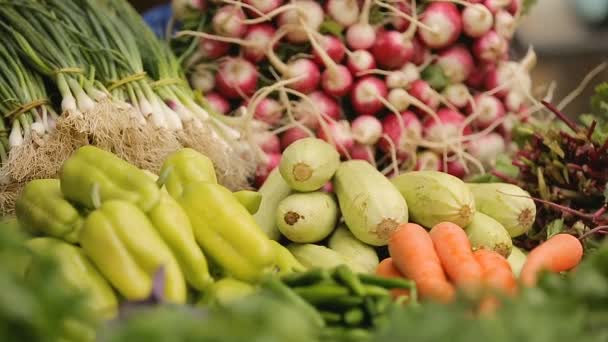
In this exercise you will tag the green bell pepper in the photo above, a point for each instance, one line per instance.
(41, 208)
(91, 176)
(77, 271)
(184, 167)
(127, 249)
(226, 231)
(173, 225)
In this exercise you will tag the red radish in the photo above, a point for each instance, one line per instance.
(479, 75)
(337, 81)
(512, 76)
(403, 132)
(202, 79)
(515, 6)
(291, 135)
(505, 24)
(456, 63)
(305, 70)
(366, 129)
(264, 6)
(269, 111)
(404, 77)
(449, 126)
(399, 99)
(392, 49)
(421, 90)
(308, 13)
(476, 20)
(490, 47)
(515, 100)
(344, 12)
(328, 187)
(337, 133)
(268, 142)
(496, 5)
(360, 36)
(457, 94)
(360, 60)
(366, 94)
(334, 48)
(217, 103)
(324, 106)
(236, 78)
(264, 169)
(445, 22)
(399, 23)
(486, 148)
(260, 36)
(488, 109)
(182, 8)
(212, 49)
(362, 152)
(427, 161)
(228, 21)
(421, 52)
(454, 168)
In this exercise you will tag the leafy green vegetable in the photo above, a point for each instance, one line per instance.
(435, 77)
(599, 101)
(331, 27)
(555, 227)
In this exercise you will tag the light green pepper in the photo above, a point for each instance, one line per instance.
(184, 167)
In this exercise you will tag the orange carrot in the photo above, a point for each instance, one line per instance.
(387, 269)
(454, 251)
(496, 271)
(560, 253)
(412, 252)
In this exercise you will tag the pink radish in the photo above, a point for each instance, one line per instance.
(307, 13)
(515, 6)
(366, 129)
(403, 132)
(183, 8)
(236, 78)
(488, 109)
(490, 48)
(505, 24)
(360, 36)
(360, 60)
(337, 133)
(268, 142)
(421, 90)
(457, 94)
(476, 20)
(291, 135)
(217, 103)
(421, 52)
(479, 75)
(366, 94)
(427, 161)
(445, 22)
(449, 126)
(496, 5)
(403, 77)
(392, 49)
(328, 187)
(486, 148)
(260, 36)
(269, 111)
(264, 6)
(213, 49)
(228, 21)
(324, 106)
(401, 24)
(334, 48)
(362, 152)
(456, 63)
(454, 168)
(337, 81)
(512, 76)
(271, 161)
(344, 12)
(202, 79)
(399, 99)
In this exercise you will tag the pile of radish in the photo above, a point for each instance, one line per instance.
(405, 85)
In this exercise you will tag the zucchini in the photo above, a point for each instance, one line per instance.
(307, 217)
(345, 243)
(309, 163)
(273, 191)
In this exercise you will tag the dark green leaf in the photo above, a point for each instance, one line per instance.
(433, 74)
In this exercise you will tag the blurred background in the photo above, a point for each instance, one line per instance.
(570, 38)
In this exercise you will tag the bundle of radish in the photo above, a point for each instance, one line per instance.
(388, 82)
(117, 87)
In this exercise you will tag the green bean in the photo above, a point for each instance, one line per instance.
(354, 317)
(306, 278)
(349, 279)
(321, 293)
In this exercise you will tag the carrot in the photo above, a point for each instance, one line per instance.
(387, 269)
(454, 251)
(560, 253)
(496, 271)
(412, 252)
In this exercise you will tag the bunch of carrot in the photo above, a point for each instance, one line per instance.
(442, 261)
